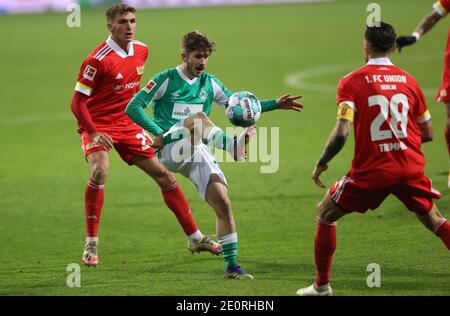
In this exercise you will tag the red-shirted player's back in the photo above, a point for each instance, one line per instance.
(388, 104)
(110, 77)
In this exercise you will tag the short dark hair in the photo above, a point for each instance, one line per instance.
(120, 8)
(195, 40)
(381, 38)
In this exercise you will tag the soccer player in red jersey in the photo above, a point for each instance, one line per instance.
(108, 79)
(391, 120)
(441, 8)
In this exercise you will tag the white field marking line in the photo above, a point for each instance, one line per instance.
(38, 118)
(300, 79)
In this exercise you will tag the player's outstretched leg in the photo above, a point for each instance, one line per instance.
(200, 124)
(437, 224)
(217, 196)
(176, 201)
(94, 196)
(324, 247)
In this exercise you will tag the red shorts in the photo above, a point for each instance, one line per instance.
(353, 196)
(128, 143)
(444, 92)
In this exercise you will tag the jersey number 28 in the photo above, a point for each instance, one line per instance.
(399, 116)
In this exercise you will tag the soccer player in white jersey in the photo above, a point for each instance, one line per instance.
(180, 96)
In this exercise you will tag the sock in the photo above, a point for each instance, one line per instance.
(93, 204)
(217, 138)
(92, 239)
(229, 246)
(196, 236)
(447, 138)
(176, 201)
(443, 231)
(324, 247)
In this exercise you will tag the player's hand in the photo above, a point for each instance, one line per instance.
(102, 139)
(288, 102)
(405, 41)
(318, 169)
(158, 142)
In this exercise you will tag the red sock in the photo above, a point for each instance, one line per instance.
(93, 203)
(443, 231)
(176, 201)
(324, 247)
(447, 138)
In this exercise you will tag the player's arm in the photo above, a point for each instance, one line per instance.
(425, 25)
(336, 141)
(89, 75)
(426, 129)
(285, 102)
(135, 109)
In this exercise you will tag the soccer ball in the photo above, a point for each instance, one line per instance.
(243, 109)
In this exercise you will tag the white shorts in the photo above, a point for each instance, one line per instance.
(194, 162)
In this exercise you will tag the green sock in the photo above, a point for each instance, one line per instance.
(217, 138)
(230, 252)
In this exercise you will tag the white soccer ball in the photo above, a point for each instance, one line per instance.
(243, 109)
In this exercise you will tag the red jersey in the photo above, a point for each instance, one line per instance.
(388, 104)
(110, 77)
(442, 7)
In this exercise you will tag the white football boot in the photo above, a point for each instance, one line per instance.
(316, 290)
(206, 244)
(90, 256)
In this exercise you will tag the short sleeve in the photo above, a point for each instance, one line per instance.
(89, 76)
(442, 7)
(345, 93)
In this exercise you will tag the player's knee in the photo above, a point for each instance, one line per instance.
(201, 116)
(223, 206)
(324, 212)
(321, 210)
(99, 173)
(165, 178)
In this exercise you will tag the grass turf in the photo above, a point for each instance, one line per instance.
(142, 248)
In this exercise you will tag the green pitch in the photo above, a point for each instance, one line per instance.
(142, 248)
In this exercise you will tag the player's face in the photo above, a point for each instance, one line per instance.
(196, 63)
(123, 27)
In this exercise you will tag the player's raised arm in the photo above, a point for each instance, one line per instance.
(426, 25)
(288, 102)
(285, 102)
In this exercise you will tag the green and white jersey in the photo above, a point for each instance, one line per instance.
(175, 97)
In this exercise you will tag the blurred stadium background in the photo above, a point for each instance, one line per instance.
(300, 48)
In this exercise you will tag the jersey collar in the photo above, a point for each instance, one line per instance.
(119, 51)
(380, 62)
(182, 75)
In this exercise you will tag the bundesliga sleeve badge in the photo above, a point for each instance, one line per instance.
(150, 85)
(89, 73)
